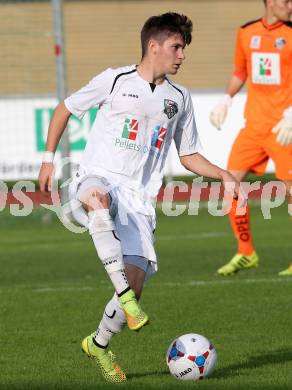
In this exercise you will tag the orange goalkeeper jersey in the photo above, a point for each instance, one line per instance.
(263, 58)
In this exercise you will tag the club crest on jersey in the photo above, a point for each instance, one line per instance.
(170, 108)
(280, 43)
(158, 136)
(130, 129)
(255, 42)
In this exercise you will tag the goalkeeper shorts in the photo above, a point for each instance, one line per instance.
(251, 151)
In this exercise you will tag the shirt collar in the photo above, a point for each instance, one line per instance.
(271, 26)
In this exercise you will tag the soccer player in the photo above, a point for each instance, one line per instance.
(140, 112)
(263, 59)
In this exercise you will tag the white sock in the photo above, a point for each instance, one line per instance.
(108, 248)
(119, 281)
(113, 321)
(113, 262)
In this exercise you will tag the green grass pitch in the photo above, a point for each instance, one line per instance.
(53, 291)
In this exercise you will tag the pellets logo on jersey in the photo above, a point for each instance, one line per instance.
(170, 108)
(158, 136)
(265, 67)
(130, 129)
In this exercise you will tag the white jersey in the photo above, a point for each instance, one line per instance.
(134, 127)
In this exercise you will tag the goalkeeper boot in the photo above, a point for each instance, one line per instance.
(104, 359)
(239, 262)
(136, 318)
(286, 272)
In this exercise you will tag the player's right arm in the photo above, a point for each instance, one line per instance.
(92, 94)
(236, 82)
(234, 86)
(56, 129)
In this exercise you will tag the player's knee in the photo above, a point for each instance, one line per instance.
(94, 198)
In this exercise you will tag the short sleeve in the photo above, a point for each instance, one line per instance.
(92, 94)
(240, 66)
(186, 136)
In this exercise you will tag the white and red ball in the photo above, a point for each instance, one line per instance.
(191, 357)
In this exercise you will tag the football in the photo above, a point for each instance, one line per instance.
(191, 357)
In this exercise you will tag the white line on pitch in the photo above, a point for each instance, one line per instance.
(181, 284)
(195, 236)
(164, 237)
(192, 283)
(52, 289)
(229, 281)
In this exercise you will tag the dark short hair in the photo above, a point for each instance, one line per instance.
(265, 2)
(169, 23)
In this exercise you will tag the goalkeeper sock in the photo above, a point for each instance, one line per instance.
(241, 228)
(113, 322)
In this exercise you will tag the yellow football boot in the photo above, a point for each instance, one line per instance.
(239, 262)
(286, 272)
(105, 360)
(136, 318)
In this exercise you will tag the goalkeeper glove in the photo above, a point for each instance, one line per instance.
(283, 128)
(219, 112)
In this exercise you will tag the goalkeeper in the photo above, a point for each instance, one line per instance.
(263, 59)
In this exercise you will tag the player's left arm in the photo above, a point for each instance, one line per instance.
(199, 165)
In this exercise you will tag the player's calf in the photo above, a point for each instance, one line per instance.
(108, 247)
